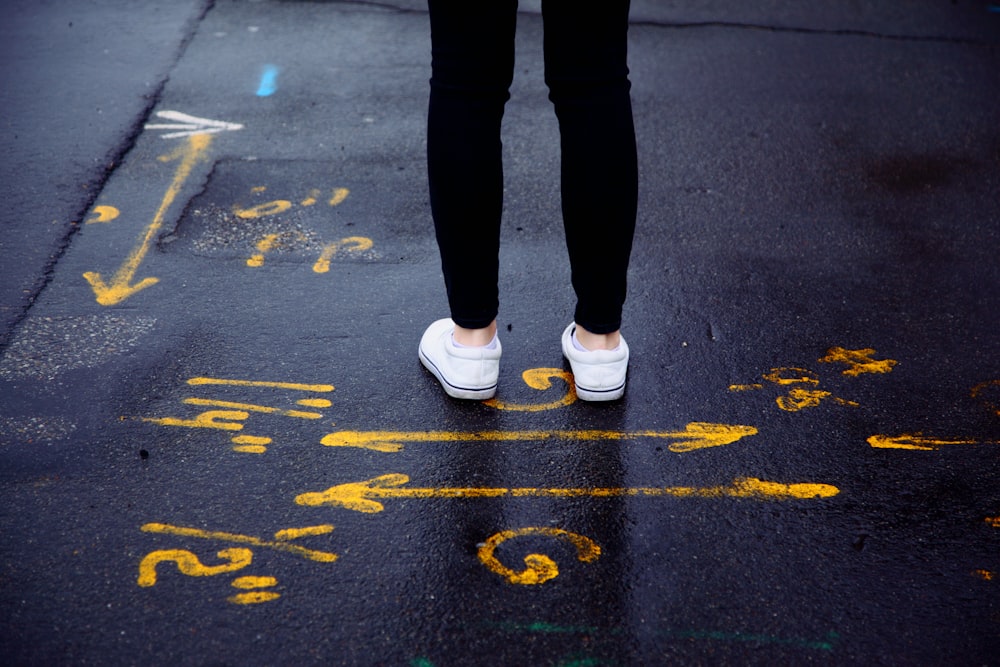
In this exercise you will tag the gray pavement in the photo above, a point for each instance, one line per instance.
(218, 445)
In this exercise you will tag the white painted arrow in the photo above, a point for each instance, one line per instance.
(185, 125)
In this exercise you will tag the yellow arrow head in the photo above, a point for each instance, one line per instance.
(699, 435)
(118, 290)
(354, 495)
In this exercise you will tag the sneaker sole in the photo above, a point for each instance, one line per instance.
(468, 393)
(600, 394)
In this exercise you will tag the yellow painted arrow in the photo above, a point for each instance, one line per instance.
(696, 435)
(121, 286)
(914, 441)
(359, 496)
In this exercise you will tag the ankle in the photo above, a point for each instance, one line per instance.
(592, 341)
(475, 337)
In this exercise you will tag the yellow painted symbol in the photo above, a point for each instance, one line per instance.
(993, 521)
(209, 419)
(270, 208)
(103, 214)
(914, 441)
(540, 568)
(280, 542)
(985, 575)
(189, 564)
(540, 379)
(361, 496)
(279, 206)
(351, 244)
(993, 387)
(858, 361)
(233, 413)
(696, 435)
(254, 596)
(121, 286)
(797, 398)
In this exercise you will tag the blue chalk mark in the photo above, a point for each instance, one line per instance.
(268, 81)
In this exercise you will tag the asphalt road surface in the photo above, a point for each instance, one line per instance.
(218, 445)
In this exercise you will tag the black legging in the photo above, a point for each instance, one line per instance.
(587, 75)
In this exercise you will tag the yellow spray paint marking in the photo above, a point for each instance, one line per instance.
(249, 407)
(360, 496)
(314, 403)
(338, 196)
(254, 596)
(540, 568)
(251, 444)
(985, 575)
(189, 564)
(993, 521)
(209, 419)
(280, 543)
(541, 379)
(349, 244)
(696, 435)
(914, 441)
(264, 245)
(279, 206)
(858, 361)
(310, 200)
(103, 214)
(992, 386)
(295, 386)
(270, 208)
(121, 286)
(799, 399)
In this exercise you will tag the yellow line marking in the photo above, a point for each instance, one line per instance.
(247, 583)
(121, 286)
(696, 435)
(914, 441)
(281, 545)
(254, 383)
(250, 407)
(315, 403)
(358, 496)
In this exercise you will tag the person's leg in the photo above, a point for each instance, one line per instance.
(472, 69)
(587, 74)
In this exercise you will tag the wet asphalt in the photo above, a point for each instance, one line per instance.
(218, 446)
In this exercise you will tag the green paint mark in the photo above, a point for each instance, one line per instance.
(541, 627)
(421, 662)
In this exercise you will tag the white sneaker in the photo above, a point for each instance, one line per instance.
(464, 372)
(599, 374)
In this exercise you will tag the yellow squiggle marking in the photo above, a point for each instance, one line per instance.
(858, 361)
(540, 568)
(541, 379)
(189, 564)
(349, 244)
